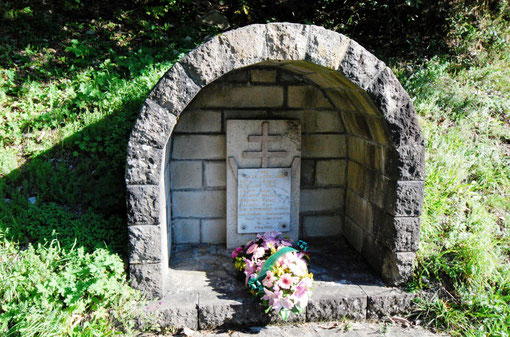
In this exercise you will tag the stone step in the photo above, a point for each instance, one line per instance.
(203, 293)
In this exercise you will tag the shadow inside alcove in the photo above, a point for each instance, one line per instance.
(204, 275)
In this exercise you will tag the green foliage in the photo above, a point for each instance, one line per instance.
(70, 90)
(464, 106)
(51, 291)
(404, 28)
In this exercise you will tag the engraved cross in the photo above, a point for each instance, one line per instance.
(264, 139)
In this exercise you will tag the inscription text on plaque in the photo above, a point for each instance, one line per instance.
(263, 200)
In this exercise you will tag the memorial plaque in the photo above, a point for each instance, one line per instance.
(263, 200)
(263, 178)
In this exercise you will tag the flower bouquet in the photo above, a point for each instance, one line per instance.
(275, 271)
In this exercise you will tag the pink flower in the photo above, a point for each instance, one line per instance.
(267, 283)
(298, 267)
(271, 235)
(287, 303)
(269, 279)
(286, 281)
(252, 248)
(273, 298)
(258, 253)
(250, 266)
(269, 243)
(236, 252)
(302, 288)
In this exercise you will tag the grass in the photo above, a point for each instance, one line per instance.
(465, 242)
(70, 90)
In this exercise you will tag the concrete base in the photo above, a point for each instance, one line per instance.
(203, 294)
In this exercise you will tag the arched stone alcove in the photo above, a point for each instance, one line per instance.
(362, 149)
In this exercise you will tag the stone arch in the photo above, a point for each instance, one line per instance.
(385, 130)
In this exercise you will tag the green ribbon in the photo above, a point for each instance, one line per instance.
(272, 260)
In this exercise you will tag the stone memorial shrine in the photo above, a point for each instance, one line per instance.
(284, 127)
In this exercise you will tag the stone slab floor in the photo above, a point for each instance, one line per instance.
(203, 294)
(325, 329)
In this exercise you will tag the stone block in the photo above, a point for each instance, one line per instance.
(300, 69)
(198, 204)
(336, 302)
(409, 199)
(325, 47)
(239, 52)
(289, 76)
(360, 211)
(376, 127)
(199, 147)
(215, 174)
(329, 79)
(213, 231)
(355, 177)
(322, 225)
(175, 311)
(147, 278)
(237, 96)
(306, 96)
(362, 151)
(342, 99)
(247, 114)
(143, 204)
(186, 230)
(286, 41)
(384, 161)
(175, 90)
(360, 66)
(234, 310)
(236, 76)
(323, 146)
(321, 199)
(328, 121)
(385, 302)
(411, 162)
(263, 75)
(153, 126)
(354, 234)
(307, 173)
(397, 109)
(356, 125)
(330, 172)
(186, 174)
(375, 187)
(364, 102)
(144, 244)
(397, 267)
(209, 61)
(400, 234)
(143, 165)
(373, 252)
(390, 190)
(197, 121)
(313, 121)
